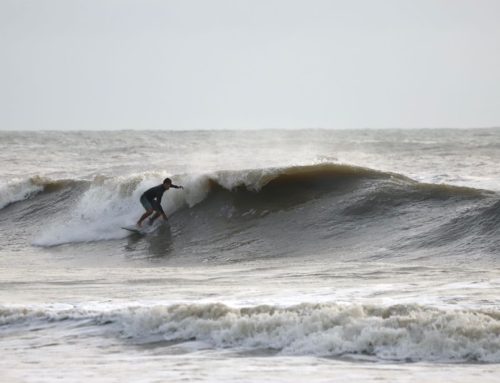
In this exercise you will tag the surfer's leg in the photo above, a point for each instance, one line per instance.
(148, 207)
(153, 218)
(144, 216)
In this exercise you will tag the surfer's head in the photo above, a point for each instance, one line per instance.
(166, 183)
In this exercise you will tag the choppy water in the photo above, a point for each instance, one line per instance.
(289, 256)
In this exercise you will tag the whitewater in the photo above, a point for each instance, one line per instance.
(289, 256)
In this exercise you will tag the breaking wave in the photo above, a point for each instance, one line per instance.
(19, 190)
(270, 212)
(399, 333)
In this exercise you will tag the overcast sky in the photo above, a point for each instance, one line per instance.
(235, 64)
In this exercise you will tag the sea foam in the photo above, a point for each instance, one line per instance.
(406, 332)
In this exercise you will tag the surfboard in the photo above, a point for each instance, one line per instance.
(134, 229)
(145, 229)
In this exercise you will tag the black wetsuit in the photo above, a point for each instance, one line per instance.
(154, 195)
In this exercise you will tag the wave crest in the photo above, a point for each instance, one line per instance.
(401, 332)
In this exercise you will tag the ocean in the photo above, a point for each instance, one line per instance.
(289, 256)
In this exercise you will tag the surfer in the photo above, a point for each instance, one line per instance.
(151, 200)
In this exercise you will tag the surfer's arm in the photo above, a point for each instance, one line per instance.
(177, 186)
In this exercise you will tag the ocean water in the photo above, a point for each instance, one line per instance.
(289, 256)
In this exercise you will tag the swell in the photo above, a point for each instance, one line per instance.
(291, 180)
(476, 228)
(296, 185)
(342, 212)
(317, 209)
(406, 332)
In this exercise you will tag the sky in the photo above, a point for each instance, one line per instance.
(248, 64)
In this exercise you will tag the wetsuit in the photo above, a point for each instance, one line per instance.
(151, 198)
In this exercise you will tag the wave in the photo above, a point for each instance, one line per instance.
(17, 190)
(266, 212)
(107, 203)
(406, 332)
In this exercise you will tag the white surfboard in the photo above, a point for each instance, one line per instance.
(145, 229)
(134, 229)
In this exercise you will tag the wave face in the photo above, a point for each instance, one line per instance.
(236, 215)
(397, 333)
